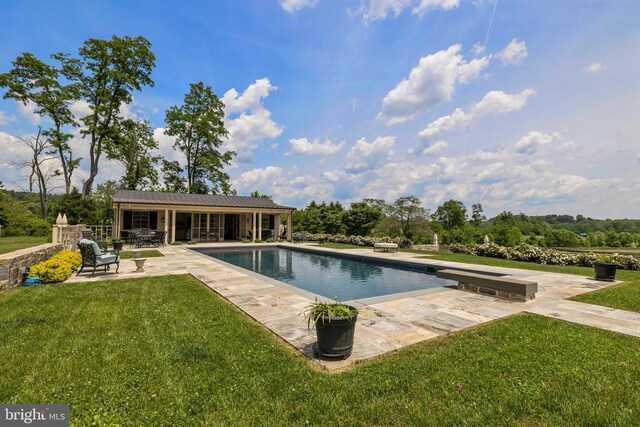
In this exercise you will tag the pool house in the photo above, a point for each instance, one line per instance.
(200, 217)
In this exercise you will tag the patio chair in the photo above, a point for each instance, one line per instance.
(158, 238)
(124, 235)
(133, 238)
(92, 256)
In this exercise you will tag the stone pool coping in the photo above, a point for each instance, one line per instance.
(386, 323)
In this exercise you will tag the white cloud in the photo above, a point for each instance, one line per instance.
(514, 53)
(531, 142)
(434, 148)
(28, 112)
(80, 109)
(304, 146)
(5, 119)
(477, 49)
(247, 120)
(382, 9)
(292, 6)
(432, 81)
(367, 155)
(594, 67)
(494, 102)
(265, 177)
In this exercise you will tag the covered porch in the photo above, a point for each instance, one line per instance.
(201, 220)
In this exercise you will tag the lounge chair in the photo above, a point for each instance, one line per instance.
(92, 256)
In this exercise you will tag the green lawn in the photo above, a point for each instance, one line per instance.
(168, 351)
(145, 253)
(10, 244)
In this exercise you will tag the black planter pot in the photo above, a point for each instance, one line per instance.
(117, 246)
(335, 337)
(605, 271)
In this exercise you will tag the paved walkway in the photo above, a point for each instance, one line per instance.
(385, 323)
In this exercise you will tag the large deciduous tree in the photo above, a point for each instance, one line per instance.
(361, 218)
(451, 214)
(199, 130)
(35, 83)
(410, 214)
(105, 76)
(132, 146)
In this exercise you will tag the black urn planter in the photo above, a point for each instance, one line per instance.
(335, 336)
(117, 246)
(605, 271)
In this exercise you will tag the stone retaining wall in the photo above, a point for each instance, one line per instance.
(495, 292)
(13, 264)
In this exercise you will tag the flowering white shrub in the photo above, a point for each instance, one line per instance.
(402, 242)
(535, 254)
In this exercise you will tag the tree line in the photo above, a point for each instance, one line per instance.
(85, 95)
(453, 223)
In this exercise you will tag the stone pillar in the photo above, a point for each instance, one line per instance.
(253, 230)
(289, 225)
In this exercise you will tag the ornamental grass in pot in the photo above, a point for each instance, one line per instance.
(605, 268)
(335, 325)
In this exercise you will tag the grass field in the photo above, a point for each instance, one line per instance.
(10, 244)
(623, 251)
(168, 351)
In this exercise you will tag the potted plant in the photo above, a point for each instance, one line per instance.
(605, 268)
(335, 325)
(117, 244)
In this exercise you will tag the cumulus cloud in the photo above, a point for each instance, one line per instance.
(5, 118)
(594, 67)
(514, 53)
(304, 146)
(494, 102)
(432, 81)
(292, 6)
(383, 9)
(28, 110)
(259, 177)
(432, 149)
(367, 155)
(531, 142)
(246, 119)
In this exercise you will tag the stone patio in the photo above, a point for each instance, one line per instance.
(385, 323)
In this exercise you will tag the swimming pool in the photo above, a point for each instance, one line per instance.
(331, 276)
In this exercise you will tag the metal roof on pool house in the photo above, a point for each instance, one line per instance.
(182, 199)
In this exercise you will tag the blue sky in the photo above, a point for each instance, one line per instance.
(523, 106)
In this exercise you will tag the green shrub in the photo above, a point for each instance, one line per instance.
(258, 241)
(541, 256)
(271, 240)
(246, 241)
(176, 243)
(192, 242)
(57, 268)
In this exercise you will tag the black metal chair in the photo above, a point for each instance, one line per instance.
(93, 257)
(158, 238)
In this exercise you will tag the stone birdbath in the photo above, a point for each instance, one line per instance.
(139, 264)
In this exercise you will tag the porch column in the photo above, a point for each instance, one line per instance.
(173, 226)
(289, 224)
(253, 231)
(166, 226)
(115, 232)
(260, 225)
(208, 236)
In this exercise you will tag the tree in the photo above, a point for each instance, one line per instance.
(477, 215)
(131, 146)
(78, 209)
(361, 218)
(409, 213)
(172, 176)
(39, 166)
(199, 130)
(103, 198)
(32, 82)
(105, 77)
(257, 194)
(451, 214)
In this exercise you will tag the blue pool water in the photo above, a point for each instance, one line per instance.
(333, 277)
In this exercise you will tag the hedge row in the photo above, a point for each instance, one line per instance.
(402, 242)
(543, 256)
(58, 268)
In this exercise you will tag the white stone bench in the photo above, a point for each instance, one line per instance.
(385, 247)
